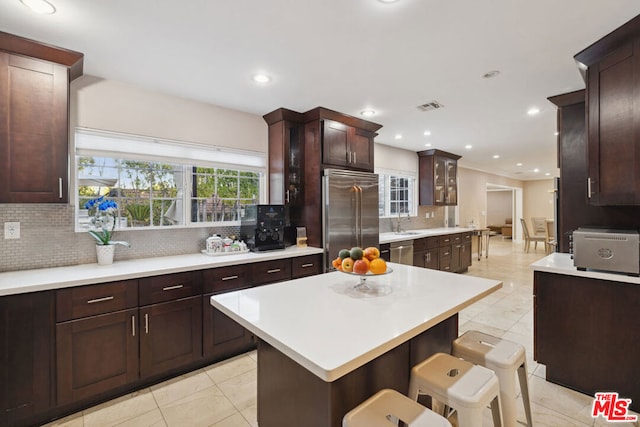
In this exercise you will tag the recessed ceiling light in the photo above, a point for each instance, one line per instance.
(39, 6)
(547, 174)
(398, 136)
(536, 170)
(556, 133)
(427, 132)
(490, 74)
(368, 113)
(468, 146)
(496, 156)
(533, 111)
(518, 164)
(427, 145)
(387, 1)
(261, 78)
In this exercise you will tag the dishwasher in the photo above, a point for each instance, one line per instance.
(402, 252)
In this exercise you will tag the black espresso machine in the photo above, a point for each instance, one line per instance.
(263, 227)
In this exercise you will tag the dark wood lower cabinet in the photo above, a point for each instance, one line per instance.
(113, 338)
(221, 336)
(170, 335)
(96, 354)
(26, 361)
(587, 333)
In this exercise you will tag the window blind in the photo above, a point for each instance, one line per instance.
(109, 144)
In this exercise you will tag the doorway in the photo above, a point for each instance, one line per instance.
(504, 202)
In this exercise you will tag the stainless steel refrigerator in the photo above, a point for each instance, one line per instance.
(350, 211)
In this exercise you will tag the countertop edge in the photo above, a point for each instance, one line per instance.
(35, 280)
(392, 237)
(561, 263)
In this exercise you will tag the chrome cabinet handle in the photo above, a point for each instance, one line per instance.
(229, 278)
(133, 326)
(171, 288)
(275, 270)
(93, 301)
(349, 155)
(589, 193)
(307, 265)
(146, 323)
(286, 196)
(354, 157)
(60, 187)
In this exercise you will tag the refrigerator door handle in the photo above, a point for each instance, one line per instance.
(359, 214)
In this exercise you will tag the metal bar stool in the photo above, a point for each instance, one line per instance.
(504, 358)
(387, 407)
(458, 384)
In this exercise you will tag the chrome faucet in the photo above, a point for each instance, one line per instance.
(398, 224)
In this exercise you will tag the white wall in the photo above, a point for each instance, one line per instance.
(395, 159)
(499, 206)
(115, 106)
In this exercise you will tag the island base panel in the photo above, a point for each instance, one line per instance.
(289, 394)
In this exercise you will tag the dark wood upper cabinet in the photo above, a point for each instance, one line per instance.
(574, 207)
(34, 120)
(613, 116)
(301, 146)
(438, 178)
(346, 146)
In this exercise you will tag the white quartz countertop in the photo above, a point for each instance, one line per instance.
(330, 328)
(561, 263)
(23, 281)
(418, 234)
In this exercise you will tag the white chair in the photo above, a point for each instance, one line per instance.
(386, 407)
(503, 357)
(539, 225)
(550, 237)
(458, 384)
(528, 238)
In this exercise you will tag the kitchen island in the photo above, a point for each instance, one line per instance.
(326, 345)
(587, 328)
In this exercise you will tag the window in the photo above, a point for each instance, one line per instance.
(396, 194)
(180, 184)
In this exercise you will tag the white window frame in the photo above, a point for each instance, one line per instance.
(413, 190)
(100, 143)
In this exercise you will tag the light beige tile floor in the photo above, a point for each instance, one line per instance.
(224, 394)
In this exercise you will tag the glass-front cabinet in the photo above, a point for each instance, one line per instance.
(438, 175)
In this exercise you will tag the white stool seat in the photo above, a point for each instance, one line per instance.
(459, 384)
(503, 357)
(386, 406)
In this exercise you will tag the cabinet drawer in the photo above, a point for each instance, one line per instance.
(271, 271)
(225, 279)
(306, 266)
(456, 238)
(445, 251)
(445, 240)
(170, 287)
(85, 301)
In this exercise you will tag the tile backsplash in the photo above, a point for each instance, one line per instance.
(47, 239)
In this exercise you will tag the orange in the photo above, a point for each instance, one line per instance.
(378, 266)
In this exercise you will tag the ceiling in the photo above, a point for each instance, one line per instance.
(353, 55)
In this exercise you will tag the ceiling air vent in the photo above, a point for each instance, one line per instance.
(433, 105)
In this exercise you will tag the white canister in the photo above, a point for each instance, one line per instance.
(214, 244)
